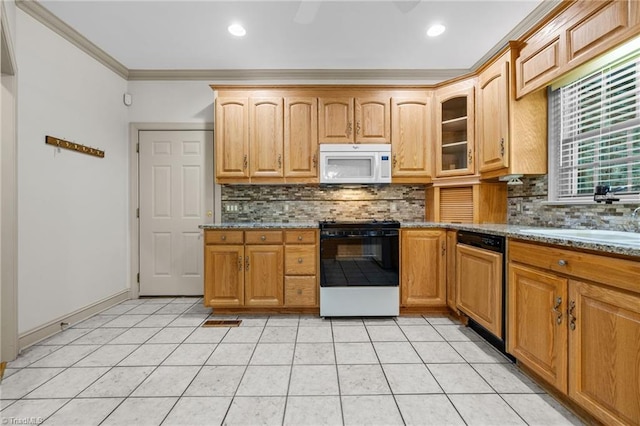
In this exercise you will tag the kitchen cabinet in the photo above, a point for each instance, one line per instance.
(455, 125)
(478, 202)
(512, 134)
(452, 240)
(265, 137)
(266, 268)
(574, 320)
(301, 139)
(411, 139)
(579, 33)
(232, 138)
(479, 286)
(354, 119)
(423, 268)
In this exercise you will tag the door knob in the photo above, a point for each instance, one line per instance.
(209, 213)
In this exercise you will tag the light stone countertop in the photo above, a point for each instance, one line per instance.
(510, 231)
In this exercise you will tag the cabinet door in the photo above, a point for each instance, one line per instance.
(301, 138)
(373, 120)
(537, 333)
(224, 275)
(423, 263)
(232, 138)
(479, 286)
(493, 116)
(410, 137)
(264, 275)
(335, 120)
(455, 130)
(604, 351)
(265, 137)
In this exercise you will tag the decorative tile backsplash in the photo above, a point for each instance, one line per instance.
(526, 208)
(293, 203)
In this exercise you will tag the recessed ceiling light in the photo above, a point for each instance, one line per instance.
(436, 30)
(237, 30)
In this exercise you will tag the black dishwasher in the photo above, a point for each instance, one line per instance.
(481, 284)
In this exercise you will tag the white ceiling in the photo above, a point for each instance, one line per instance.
(339, 35)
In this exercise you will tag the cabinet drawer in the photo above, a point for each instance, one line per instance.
(621, 273)
(300, 291)
(300, 260)
(263, 237)
(302, 236)
(223, 237)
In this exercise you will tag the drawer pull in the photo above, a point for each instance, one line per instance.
(223, 238)
(263, 237)
(299, 237)
(299, 291)
(562, 262)
(299, 260)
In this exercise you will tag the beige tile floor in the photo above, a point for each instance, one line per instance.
(149, 362)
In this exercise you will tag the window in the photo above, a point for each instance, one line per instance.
(594, 133)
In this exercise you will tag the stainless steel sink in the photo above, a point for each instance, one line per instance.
(591, 235)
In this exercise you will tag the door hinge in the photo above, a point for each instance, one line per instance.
(138, 147)
(138, 212)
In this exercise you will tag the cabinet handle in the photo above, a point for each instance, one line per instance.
(557, 311)
(395, 161)
(246, 263)
(245, 162)
(299, 260)
(223, 238)
(572, 318)
(299, 237)
(349, 128)
(562, 262)
(239, 263)
(299, 292)
(444, 248)
(501, 147)
(280, 161)
(358, 127)
(262, 237)
(314, 160)
(470, 158)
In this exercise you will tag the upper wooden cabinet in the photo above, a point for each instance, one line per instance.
(579, 33)
(410, 139)
(480, 202)
(512, 134)
(354, 120)
(232, 138)
(455, 129)
(265, 137)
(301, 139)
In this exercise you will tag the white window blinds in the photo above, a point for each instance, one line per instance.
(595, 132)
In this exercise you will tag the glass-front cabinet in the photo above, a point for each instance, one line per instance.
(455, 155)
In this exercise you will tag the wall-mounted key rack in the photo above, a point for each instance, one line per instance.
(61, 143)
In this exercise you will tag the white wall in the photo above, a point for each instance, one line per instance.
(171, 102)
(73, 228)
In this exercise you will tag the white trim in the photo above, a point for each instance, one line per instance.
(8, 199)
(57, 25)
(134, 243)
(37, 334)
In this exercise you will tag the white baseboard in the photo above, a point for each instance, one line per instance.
(37, 334)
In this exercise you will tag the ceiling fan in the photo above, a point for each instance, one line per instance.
(309, 8)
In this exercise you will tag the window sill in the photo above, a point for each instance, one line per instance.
(626, 200)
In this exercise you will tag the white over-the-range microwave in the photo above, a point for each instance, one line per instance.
(359, 163)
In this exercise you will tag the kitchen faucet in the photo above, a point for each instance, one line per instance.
(636, 212)
(605, 193)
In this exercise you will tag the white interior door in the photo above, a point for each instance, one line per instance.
(176, 196)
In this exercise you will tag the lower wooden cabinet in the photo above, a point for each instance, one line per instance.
(583, 337)
(452, 240)
(423, 268)
(261, 268)
(479, 286)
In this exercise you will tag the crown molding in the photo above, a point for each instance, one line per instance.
(45, 17)
(8, 59)
(298, 74)
(531, 20)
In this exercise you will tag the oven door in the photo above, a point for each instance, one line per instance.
(359, 260)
